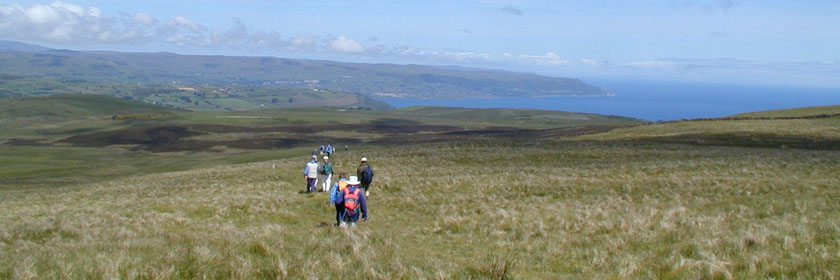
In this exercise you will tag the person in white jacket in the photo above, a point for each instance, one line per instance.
(326, 174)
(310, 172)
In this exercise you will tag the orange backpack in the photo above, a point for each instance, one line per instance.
(351, 200)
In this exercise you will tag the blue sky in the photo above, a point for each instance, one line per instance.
(718, 41)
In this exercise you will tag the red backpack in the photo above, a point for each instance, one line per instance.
(351, 200)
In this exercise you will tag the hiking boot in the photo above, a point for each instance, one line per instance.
(342, 225)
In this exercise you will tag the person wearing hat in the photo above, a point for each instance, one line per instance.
(310, 172)
(365, 173)
(326, 174)
(355, 204)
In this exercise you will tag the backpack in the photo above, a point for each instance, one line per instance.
(367, 175)
(351, 200)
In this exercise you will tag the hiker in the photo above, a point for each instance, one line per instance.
(311, 174)
(322, 149)
(365, 173)
(354, 203)
(337, 190)
(330, 150)
(326, 172)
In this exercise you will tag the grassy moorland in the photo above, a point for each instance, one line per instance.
(794, 113)
(60, 140)
(627, 203)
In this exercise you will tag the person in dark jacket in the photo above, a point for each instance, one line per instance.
(355, 204)
(336, 191)
(365, 174)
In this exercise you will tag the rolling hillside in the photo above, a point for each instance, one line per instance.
(414, 81)
(64, 107)
(805, 112)
(454, 200)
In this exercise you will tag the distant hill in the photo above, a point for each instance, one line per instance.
(803, 112)
(512, 116)
(198, 98)
(377, 80)
(86, 105)
(20, 47)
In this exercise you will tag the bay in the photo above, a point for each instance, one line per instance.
(655, 101)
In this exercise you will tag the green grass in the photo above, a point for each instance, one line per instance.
(27, 167)
(793, 113)
(734, 199)
(75, 106)
(480, 210)
(823, 133)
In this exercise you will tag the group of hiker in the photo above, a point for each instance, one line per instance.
(328, 150)
(348, 195)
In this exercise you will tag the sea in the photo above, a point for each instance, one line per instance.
(656, 101)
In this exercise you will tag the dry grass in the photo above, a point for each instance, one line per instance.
(482, 210)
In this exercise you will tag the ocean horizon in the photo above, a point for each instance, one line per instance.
(655, 101)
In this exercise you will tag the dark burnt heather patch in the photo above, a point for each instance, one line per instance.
(494, 132)
(385, 128)
(512, 132)
(148, 136)
(491, 134)
(246, 143)
(174, 139)
(576, 131)
(378, 128)
(27, 142)
(387, 121)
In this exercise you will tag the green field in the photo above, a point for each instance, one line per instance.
(458, 193)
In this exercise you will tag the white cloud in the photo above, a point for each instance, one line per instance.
(652, 64)
(303, 42)
(42, 14)
(547, 58)
(591, 62)
(345, 45)
(595, 62)
(182, 21)
(144, 18)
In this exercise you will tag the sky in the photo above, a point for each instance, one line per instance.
(714, 41)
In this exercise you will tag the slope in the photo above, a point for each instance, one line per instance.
(76, 106)
(805, 112)
(801, 128)
(486, 209)
(370, 79)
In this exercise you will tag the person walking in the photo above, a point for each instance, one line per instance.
(310, 172)
(326, 174)
(337, 190)
(330, 150)
(365, 173)
(355, 204)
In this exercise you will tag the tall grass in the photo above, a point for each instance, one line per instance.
(485, 210)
